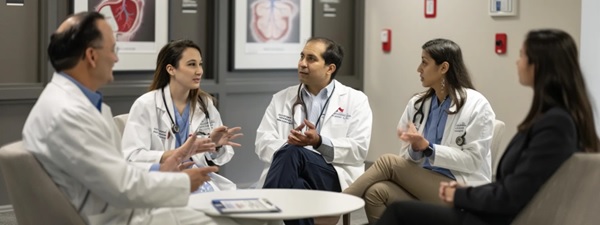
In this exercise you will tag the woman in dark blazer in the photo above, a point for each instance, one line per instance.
(559, 123)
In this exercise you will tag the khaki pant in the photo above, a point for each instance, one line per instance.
(392, 178)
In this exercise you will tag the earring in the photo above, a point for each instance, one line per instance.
(443, 85)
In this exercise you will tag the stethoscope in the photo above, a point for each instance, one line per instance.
(420, 115)
(460, 140)
(174, 127)
(300, 101)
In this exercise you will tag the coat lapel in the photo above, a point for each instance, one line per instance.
(333, 105)
(198, 118)
(453, 118)
(296, 110)
(162, 110)
(107, 114)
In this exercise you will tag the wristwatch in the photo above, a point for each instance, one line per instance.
(429, 150)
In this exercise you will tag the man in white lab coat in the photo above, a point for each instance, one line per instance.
(72, 134)
(315, 135)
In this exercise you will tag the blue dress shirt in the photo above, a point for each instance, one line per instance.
(94, 97)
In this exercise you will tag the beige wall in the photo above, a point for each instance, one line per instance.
(590, 52)
(391, 79)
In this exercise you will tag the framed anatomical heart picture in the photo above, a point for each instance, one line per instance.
(270, 34)
(140, 28)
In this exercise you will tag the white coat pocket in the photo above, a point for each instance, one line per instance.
(338, 130)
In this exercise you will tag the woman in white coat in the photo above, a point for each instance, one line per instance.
(174, 109)
(445, 131)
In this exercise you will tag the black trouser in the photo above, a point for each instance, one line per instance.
(420, 213)
(296, 167)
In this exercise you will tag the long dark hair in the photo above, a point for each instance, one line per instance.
(171, 53)
(457, 77)
(558, 81)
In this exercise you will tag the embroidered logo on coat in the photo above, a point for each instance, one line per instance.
(161, 134)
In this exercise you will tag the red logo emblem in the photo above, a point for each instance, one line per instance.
(340, 109)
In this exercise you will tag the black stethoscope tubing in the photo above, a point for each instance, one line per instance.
(174, 126)
(300, 101)
(419, 114)
(460, 140)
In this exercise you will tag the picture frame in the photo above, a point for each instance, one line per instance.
(266, 40)
(502, 7)
(141, 30)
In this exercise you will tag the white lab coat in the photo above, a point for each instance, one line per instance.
(148, 134)
(347, 123)
(470, 163)
(79, 148)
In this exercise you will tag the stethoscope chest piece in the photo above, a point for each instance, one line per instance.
(175, 128)
(460, 140)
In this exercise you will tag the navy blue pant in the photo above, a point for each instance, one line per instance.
(295, 167)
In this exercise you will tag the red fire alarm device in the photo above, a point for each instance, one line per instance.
(430, 8)
(501, 43)
(386, 40)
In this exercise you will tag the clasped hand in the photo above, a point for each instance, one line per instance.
(308, 137)
(447, 190)
(412, 136)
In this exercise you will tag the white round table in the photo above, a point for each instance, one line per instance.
(294, 203)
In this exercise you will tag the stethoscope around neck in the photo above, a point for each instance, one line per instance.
(174, 127)
(300, 101)
(420, 115)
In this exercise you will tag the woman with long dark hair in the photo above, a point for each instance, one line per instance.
(175, 108)
(559, 123)
(446, 133)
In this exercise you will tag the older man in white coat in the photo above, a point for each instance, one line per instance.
(72, 134)
(315, 135)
